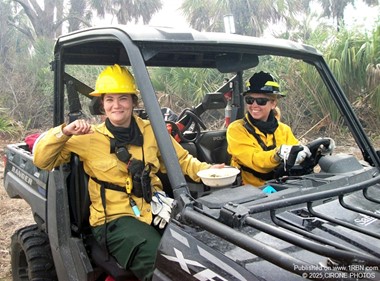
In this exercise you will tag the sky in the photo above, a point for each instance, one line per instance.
(170, 15)
(361, 15)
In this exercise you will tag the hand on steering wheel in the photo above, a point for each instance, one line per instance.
(313, 152)
(321, 147)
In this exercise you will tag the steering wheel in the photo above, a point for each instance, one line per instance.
(317, 148)
(188, 120)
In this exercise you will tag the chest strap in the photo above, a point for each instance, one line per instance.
(263, 176)
(252, 131)
(108, 185)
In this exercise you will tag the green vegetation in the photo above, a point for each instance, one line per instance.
(7, 129)
(27, 38)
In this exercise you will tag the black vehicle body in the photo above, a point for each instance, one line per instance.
(321, 225)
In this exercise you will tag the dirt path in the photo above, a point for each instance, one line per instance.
(14, 213)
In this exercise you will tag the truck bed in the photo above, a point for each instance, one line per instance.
(22, 179)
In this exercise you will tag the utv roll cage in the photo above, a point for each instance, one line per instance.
(141, 47)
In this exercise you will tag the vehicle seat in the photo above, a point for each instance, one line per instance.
(79, 201)
(212, 147)
(191, 148)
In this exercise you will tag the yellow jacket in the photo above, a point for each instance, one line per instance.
(246, 151)
(93, 149)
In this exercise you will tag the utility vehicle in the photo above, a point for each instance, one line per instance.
(322, 223)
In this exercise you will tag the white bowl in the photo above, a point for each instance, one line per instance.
(218, 177)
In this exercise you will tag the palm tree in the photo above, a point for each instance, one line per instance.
(127, 10)
(190, 84)
(373, 70)
(354, 60)
(251, 16)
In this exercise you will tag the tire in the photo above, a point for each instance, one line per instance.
(31, 257)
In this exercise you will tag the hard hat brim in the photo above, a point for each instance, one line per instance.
(275, 94)
(98, 94)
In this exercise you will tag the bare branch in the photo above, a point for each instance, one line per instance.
(29, 11)
(25, 31)
(36, 7)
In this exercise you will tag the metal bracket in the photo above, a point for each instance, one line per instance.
(233, 214)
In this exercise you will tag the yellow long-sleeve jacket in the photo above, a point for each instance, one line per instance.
(246, 151)
(93, 149)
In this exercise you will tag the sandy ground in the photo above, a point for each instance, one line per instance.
(14, 214)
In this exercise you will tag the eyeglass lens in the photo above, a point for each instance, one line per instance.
(259, 101)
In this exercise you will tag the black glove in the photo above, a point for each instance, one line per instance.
(288, 154)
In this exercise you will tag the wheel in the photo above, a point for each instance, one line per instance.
(31, 257)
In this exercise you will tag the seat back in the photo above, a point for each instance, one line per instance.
(191, 148)
(79, 198)
(212, 147)
(79, 201)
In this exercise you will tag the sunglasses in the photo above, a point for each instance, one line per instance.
(259, 101)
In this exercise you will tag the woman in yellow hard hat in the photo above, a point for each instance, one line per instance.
(259, 142)
(121, 157)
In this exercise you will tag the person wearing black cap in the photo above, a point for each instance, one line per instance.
(260, 142)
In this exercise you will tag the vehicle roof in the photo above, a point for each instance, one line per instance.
(166, 46)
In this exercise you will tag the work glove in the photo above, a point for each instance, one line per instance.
(328, 150)
(302, 155)
(161, 208)
(288, 154)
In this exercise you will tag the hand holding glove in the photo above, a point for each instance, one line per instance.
(161, 208)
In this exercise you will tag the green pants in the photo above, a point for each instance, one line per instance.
(133, 243)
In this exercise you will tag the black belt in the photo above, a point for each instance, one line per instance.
(263, 176)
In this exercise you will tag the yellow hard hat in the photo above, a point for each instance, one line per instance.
(115, 80)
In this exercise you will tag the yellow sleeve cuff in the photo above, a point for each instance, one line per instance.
(58, 133)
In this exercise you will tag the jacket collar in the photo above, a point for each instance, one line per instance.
(141, 123)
